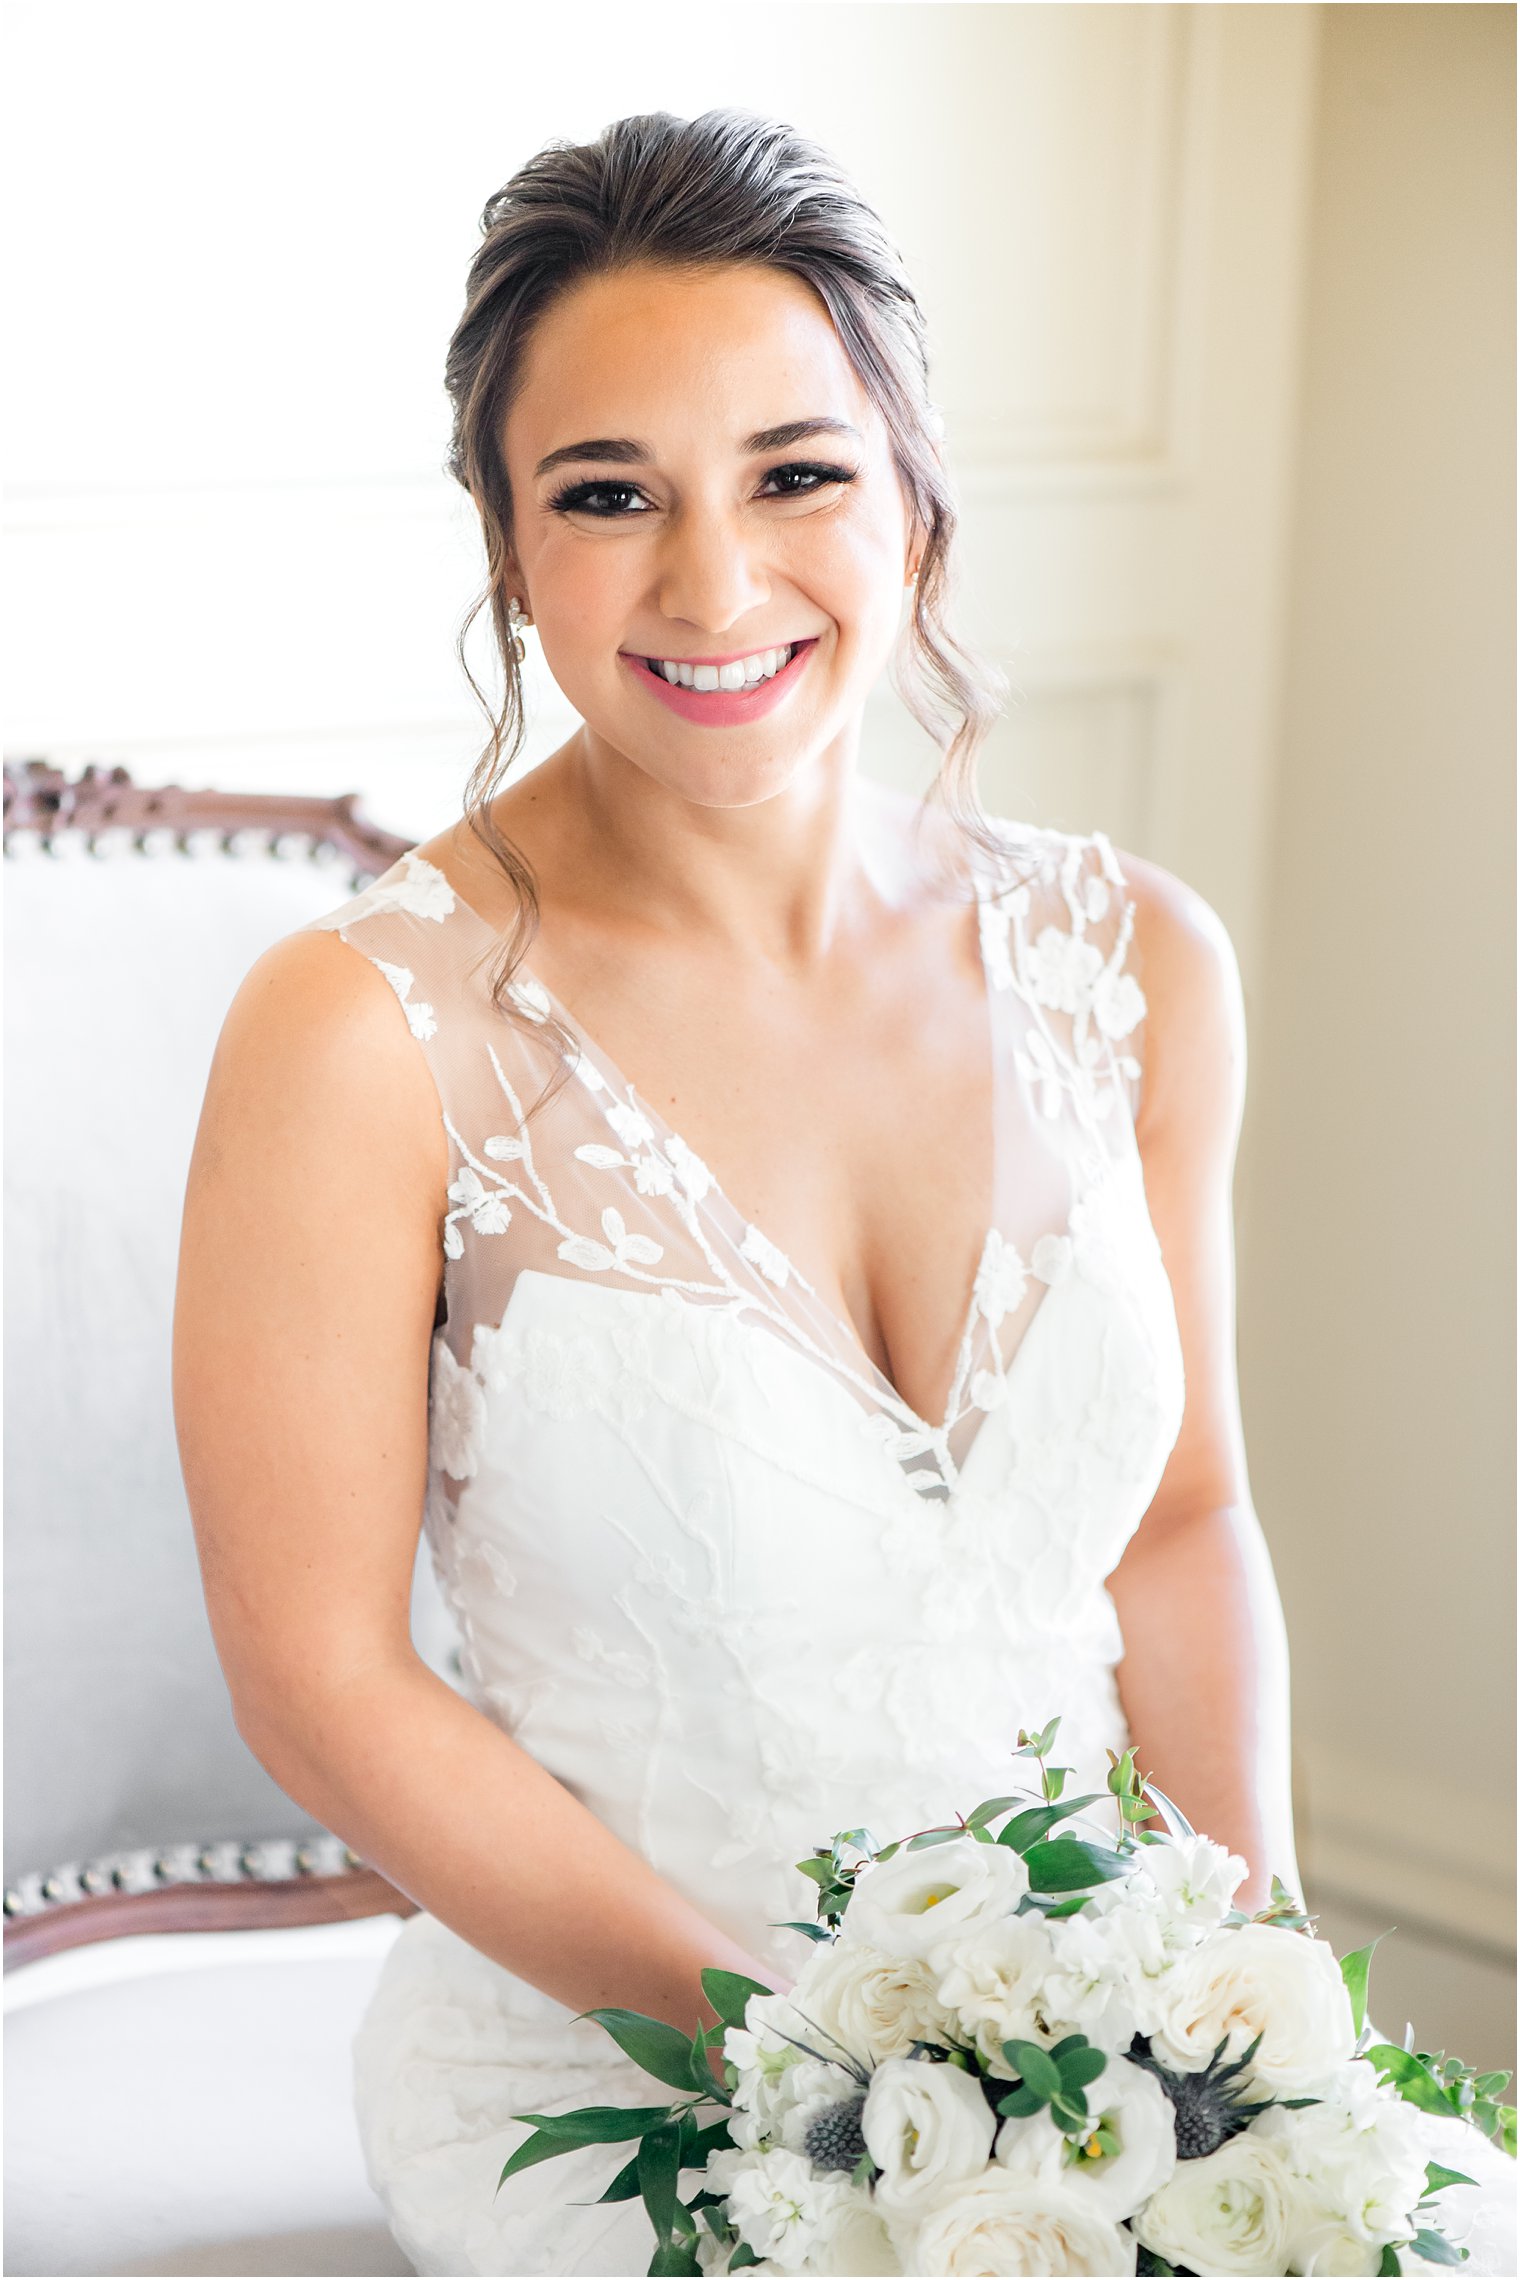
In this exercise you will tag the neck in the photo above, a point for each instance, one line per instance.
(780, 880)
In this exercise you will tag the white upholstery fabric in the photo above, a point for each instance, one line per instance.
(119, 972)
(183, 2105)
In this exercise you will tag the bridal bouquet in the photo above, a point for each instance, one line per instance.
(1014, 2048)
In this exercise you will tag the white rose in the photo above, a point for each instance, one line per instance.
(1195, 1881)
(1127, 2104)
(1257, 1979)
(926, 2125)
(852, 2237)
(991, 1981)
(908, 1905)
(877, 2005)
(1227, 2212)
(1358, 2159)
(997, 2224)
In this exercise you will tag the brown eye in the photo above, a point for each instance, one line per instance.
(587, 498)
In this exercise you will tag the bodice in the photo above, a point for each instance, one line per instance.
(708, 1566)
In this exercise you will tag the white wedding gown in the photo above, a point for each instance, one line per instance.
(708, 1567)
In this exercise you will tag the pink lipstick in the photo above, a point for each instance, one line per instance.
(722, 708)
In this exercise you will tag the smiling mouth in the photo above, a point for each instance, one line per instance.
(742, 673)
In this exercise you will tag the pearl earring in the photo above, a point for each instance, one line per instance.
(517, 618)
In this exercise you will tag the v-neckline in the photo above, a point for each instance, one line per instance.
(936, 1434)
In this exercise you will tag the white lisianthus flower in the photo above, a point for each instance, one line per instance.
(1129, 2105)
(781, 2205)
(926, 2125)
(908, 1905)
(1195, 1881)
(1358, 2160)
(877, 2005)
(1257, 1979)
(1225, 2213)
(995, 2223)
(991, 1981)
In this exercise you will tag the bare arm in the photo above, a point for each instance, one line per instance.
(1204, 1680)
(308, 1280)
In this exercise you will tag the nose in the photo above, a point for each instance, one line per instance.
(709, 575)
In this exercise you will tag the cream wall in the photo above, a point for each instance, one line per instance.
(1377, 1173)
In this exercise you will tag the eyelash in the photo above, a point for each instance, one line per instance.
(572, 499)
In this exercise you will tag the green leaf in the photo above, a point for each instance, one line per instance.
(1173, 1815)
(659, 2163)
(697, 2144)
(1026, 1828)
(1079, 2067)
(661, 2050)
(1035, 2065)
(932, 1837)
(1437, 2177)
(1436, 2248)
(1389, 2266)
(675, 2261)
(742, 2255)
(1020, 2102)
(1055, 1780)
(625, 2186)
(821, 1871)
(1063, 1864)
(808, 1931)
(1069, 2113)
(729, 1991)
(1354, 1970)
(1412, 2078)
(588, 2125)
(1489, 2085)
(989, 1810)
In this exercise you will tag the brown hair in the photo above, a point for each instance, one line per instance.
(726, 187)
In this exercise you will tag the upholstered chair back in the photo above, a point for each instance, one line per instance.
(124, 944)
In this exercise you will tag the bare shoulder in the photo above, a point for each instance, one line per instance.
(315, 1047)
(1184, 959)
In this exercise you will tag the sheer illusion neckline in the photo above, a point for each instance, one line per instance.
(935, 1431)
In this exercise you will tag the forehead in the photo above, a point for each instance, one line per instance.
(668, 355)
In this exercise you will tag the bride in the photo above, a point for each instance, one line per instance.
(762, 1230)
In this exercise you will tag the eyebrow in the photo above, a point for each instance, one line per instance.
(624, 451)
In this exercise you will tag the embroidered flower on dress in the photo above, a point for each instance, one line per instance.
(419, 1017)
(1061, 968)
(488, 1212)
(456, 1416)
(1051, 1258)
(620, 1249)
(1118, 1003)
(531, 998)
(761, 1252)
(1000, 1279)
(693, 1174)
(631, 1128)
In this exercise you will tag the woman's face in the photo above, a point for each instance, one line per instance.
(660, 513)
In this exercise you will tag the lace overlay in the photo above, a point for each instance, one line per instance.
(708, 1566)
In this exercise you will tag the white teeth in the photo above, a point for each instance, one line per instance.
(744, 673)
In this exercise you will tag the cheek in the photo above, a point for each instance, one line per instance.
(583, 587)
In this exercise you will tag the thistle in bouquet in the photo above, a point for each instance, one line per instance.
(1030, 2041)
